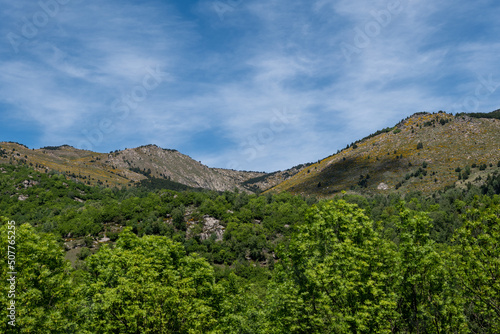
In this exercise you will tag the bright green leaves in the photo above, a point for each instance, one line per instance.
(338, 275)
(242, 312)
(335, 277)
(428, 299)
(478, 266)
(43, 291)
(149, 285)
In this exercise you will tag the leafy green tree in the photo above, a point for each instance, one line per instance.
(428, 301)
(242, 312)
(149, 285)
(44, 302)
(178, 218)
(336, 276)
(246, 239)
(477, 259)
(84, 253)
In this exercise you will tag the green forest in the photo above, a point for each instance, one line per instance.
(194, 261)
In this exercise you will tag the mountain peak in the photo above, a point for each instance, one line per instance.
(126, 167)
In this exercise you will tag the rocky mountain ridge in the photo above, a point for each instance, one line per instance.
(421, 153)
(126, 167)
(424, 152)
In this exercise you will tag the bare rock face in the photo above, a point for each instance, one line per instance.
(29, 183)
(206, 228)
(172, 165)
(104, 239)
(383, 186)
(212, 226)
(22, 197)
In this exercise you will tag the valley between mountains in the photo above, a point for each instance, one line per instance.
(396, 233)
(421, 153)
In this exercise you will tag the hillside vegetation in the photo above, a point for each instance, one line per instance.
(421, 153)
(230, 262)
(89, 254)
(125, 168)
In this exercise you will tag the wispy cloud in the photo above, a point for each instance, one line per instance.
(224, 80)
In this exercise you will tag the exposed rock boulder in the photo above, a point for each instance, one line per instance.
(206, 228)
(212, 226)
(22, 197)
(383, 186)
(29, 183)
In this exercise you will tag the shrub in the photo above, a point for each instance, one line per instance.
(89, 241)
(84, 253)
(113, 236)
(178, 218)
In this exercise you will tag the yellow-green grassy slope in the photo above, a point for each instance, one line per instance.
(90, 167)
(125, 167)
(448, 142)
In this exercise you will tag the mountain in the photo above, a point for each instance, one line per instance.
(425, 152)
(126, 167)
(267, 181)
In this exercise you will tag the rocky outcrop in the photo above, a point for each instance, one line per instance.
(382, 186)
(175, 166)
(29, 183)
(206, 228)
(212, 226)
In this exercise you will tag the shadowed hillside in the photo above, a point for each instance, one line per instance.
(424, 153)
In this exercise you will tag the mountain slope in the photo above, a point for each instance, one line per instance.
(173, 165)
(125, 167)
(393, 159)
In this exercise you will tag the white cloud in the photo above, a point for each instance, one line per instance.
(230, 76)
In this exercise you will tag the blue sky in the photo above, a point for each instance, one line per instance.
(243, 84)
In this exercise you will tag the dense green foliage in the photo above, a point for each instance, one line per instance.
(154, 183)
(279, 264)
(44, 298)
(494, 114)
(253, 224)
(149, 285)
(335, 276)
